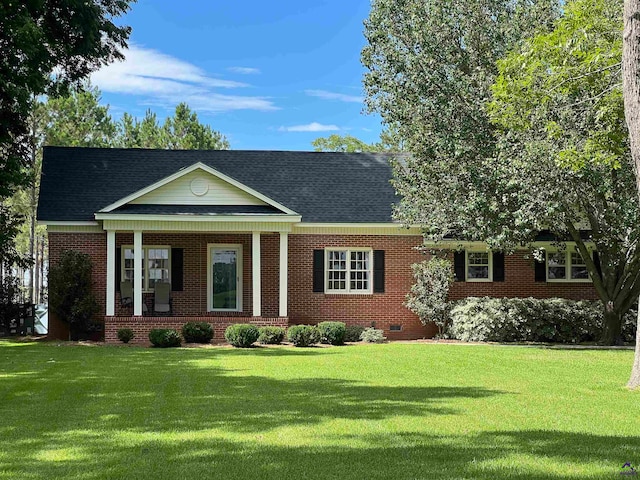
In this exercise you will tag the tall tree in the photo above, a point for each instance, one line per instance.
(182, 131)
(45, 46)
(341, 143)
(631, 89)
(431, 68)
(564, 148)
(73, 120)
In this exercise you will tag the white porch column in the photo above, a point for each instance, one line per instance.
(137, 273)
(111, 273)
(255, 274)
(284, 256)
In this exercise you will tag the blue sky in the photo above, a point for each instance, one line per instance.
(268, 75)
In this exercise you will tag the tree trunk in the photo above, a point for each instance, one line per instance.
(631, 92)
(36, 271)
(612, 334)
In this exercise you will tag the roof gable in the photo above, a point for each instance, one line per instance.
(198, 184)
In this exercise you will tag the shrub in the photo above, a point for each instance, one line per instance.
(352, 333)
(372, 335)
(531, 320)
(197, 332)
(165, 337)
(125, 335)
(428, 296)
(332, 332)
(303, 335)
(241, 335)
(70, 290)
(271, 335)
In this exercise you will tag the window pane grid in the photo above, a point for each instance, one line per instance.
(155, 269)
(354, 266)
(477, 265)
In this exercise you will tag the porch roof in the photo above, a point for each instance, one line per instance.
(210, 210)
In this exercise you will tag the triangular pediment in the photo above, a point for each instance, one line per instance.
(198, 184)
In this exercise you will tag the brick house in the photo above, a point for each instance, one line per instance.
(266, 237)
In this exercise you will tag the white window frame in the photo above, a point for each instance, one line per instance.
(567, 266)
(347, 290)
(239, 278)
(145, 265)
(466, 265)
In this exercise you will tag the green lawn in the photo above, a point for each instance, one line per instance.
(393, 411)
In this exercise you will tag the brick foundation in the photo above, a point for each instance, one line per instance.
(141, 326)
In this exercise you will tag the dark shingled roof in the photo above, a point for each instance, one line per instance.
(321, 186)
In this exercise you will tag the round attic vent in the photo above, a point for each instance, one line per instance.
(199, 186)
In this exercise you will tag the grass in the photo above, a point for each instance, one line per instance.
(402, 411)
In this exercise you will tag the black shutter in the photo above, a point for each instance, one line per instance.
(378, 271)
(176, 269)
(498, 267)
(118, 267)
(318, 270)
(596, 260)
(541, 269)
(458, 266)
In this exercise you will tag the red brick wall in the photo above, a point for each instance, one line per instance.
(305, 306)
(519, 275)
(141, 326)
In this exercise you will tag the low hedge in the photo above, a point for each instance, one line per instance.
(372, 335)
(197, 332)
(125, 335)
(165, 338)
(241, 335)
(271, 335)
(332, 332)
(554, 320)
(303, 335)
(352, 333)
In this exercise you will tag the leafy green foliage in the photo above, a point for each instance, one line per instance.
(197, 332)
(36, 38)
(303, 335)
(342, 143)
(428, 296)
(531, 320)
(372, 335)
(71, 297)
(352, 333)
(241, 335)
(332, 333)
(165, 338)
(125, 335)
(182, 131)
(271, 335)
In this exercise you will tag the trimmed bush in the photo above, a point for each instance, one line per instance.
(125, 335)
(197, 332)
(271, 335)
(241, 335)
(165, 337)
(332, 332)
(352, 333)
(303, 335)
(554, 320)
(372, 335)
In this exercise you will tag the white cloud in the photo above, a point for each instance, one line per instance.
(166, 80)
(244, 70)
(334, 96)
(310, 127)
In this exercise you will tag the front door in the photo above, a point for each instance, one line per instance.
(225, 278)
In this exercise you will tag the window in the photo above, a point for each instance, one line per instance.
(566, 265)
(156, 265)
(478, 267)
(348, 271)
